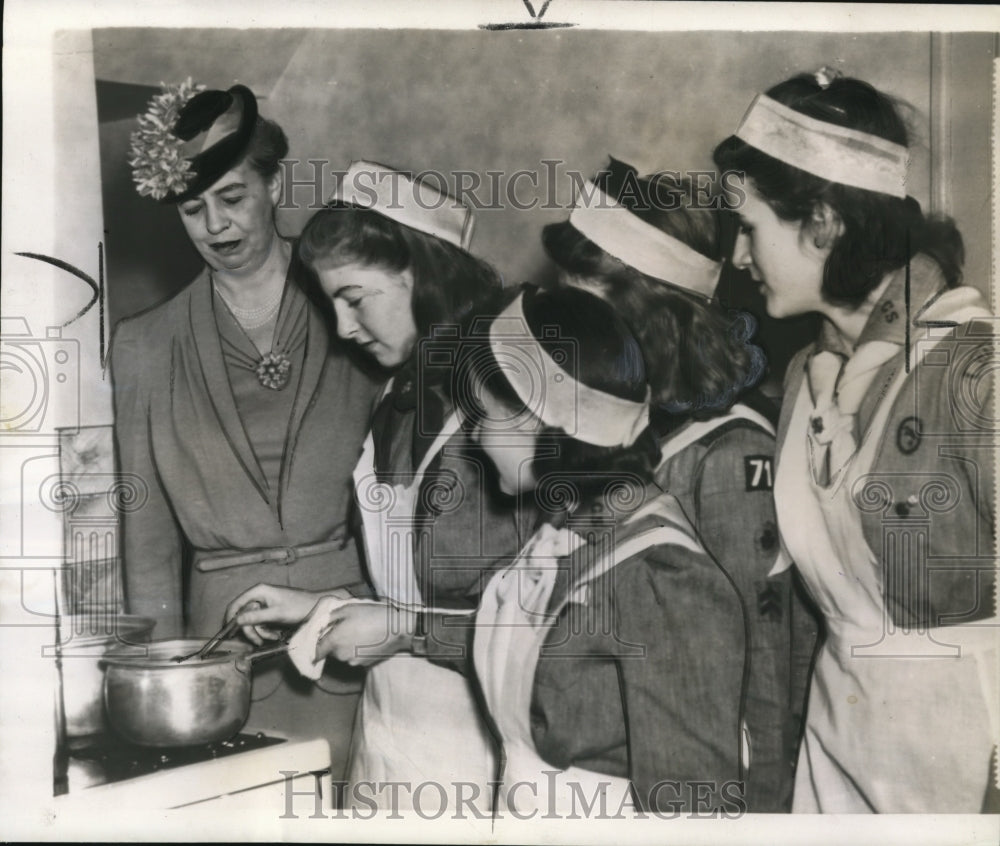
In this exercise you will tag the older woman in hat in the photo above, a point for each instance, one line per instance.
(392, 254)
(884, 485)
(232, 406)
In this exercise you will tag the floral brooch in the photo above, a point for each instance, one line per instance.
(273, 370)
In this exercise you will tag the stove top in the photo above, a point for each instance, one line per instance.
(106, 759)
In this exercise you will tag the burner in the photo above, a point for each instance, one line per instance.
(106, 759)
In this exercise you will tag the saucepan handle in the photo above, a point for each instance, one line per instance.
(243, 662)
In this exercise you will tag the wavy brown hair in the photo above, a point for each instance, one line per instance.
(451, 287)
(698, 355)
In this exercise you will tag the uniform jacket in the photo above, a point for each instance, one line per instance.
(179, 434)
(641, 675)
(464, 527)
(934, 473)
(724, 483)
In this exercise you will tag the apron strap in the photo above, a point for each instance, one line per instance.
(450, 428)
(678, 532)
(698, 429)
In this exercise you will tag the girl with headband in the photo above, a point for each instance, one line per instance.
(610, 653)
(647, 247)
(391, 255)
(884, 485)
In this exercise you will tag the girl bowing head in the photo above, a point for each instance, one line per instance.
(610, 653)
(612, 649)
(391, 254)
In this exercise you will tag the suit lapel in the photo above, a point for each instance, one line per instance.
(217, 387)
(313, 365)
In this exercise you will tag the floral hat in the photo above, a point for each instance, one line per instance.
(188, 138)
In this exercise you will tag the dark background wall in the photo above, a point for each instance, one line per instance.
(479, 101)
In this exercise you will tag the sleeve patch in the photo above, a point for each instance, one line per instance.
(759, 472)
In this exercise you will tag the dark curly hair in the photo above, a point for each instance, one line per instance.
(697, 354)
(881, 232)
(451, 287)
(605, 357)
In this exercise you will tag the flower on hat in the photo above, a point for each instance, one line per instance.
(158, 165)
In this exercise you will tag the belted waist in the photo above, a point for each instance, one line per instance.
(207, 560)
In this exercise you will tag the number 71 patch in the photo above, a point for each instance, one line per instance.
(759, 472)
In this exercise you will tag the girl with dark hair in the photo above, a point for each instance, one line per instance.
(884, 489)
(391, 255)
(610, 653)
(612, 650)
(650, 247)
(235, 411)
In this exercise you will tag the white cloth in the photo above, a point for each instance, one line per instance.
(303, 644)
(418, 722)
(838, 386)
(898, 721)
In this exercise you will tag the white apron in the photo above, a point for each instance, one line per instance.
(898, 721)
(511, 627)
(418, 722)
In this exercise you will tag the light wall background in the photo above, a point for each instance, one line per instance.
(485, 100)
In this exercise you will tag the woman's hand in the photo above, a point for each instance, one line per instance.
(364, 634)
(274, 605)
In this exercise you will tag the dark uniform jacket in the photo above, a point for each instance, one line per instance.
(724, 482)
(464, 528)
(642, 674)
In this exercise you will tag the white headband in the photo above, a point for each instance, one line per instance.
(649, 250)
(823, 149)
(414, 203)
(553, 395)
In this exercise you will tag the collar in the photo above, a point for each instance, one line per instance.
(887, 320)
(615, 504)
(619, 500)
(594, 520)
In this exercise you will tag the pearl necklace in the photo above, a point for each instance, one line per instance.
(253, 318)
(274, 368)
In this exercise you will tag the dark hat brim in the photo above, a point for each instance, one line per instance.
(214, 162)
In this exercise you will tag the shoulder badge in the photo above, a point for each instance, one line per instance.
(759, 472)
(908, 435)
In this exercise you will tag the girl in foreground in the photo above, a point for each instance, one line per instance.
(610, 653)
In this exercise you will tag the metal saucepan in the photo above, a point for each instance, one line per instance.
(152, 700)
(84, 640)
